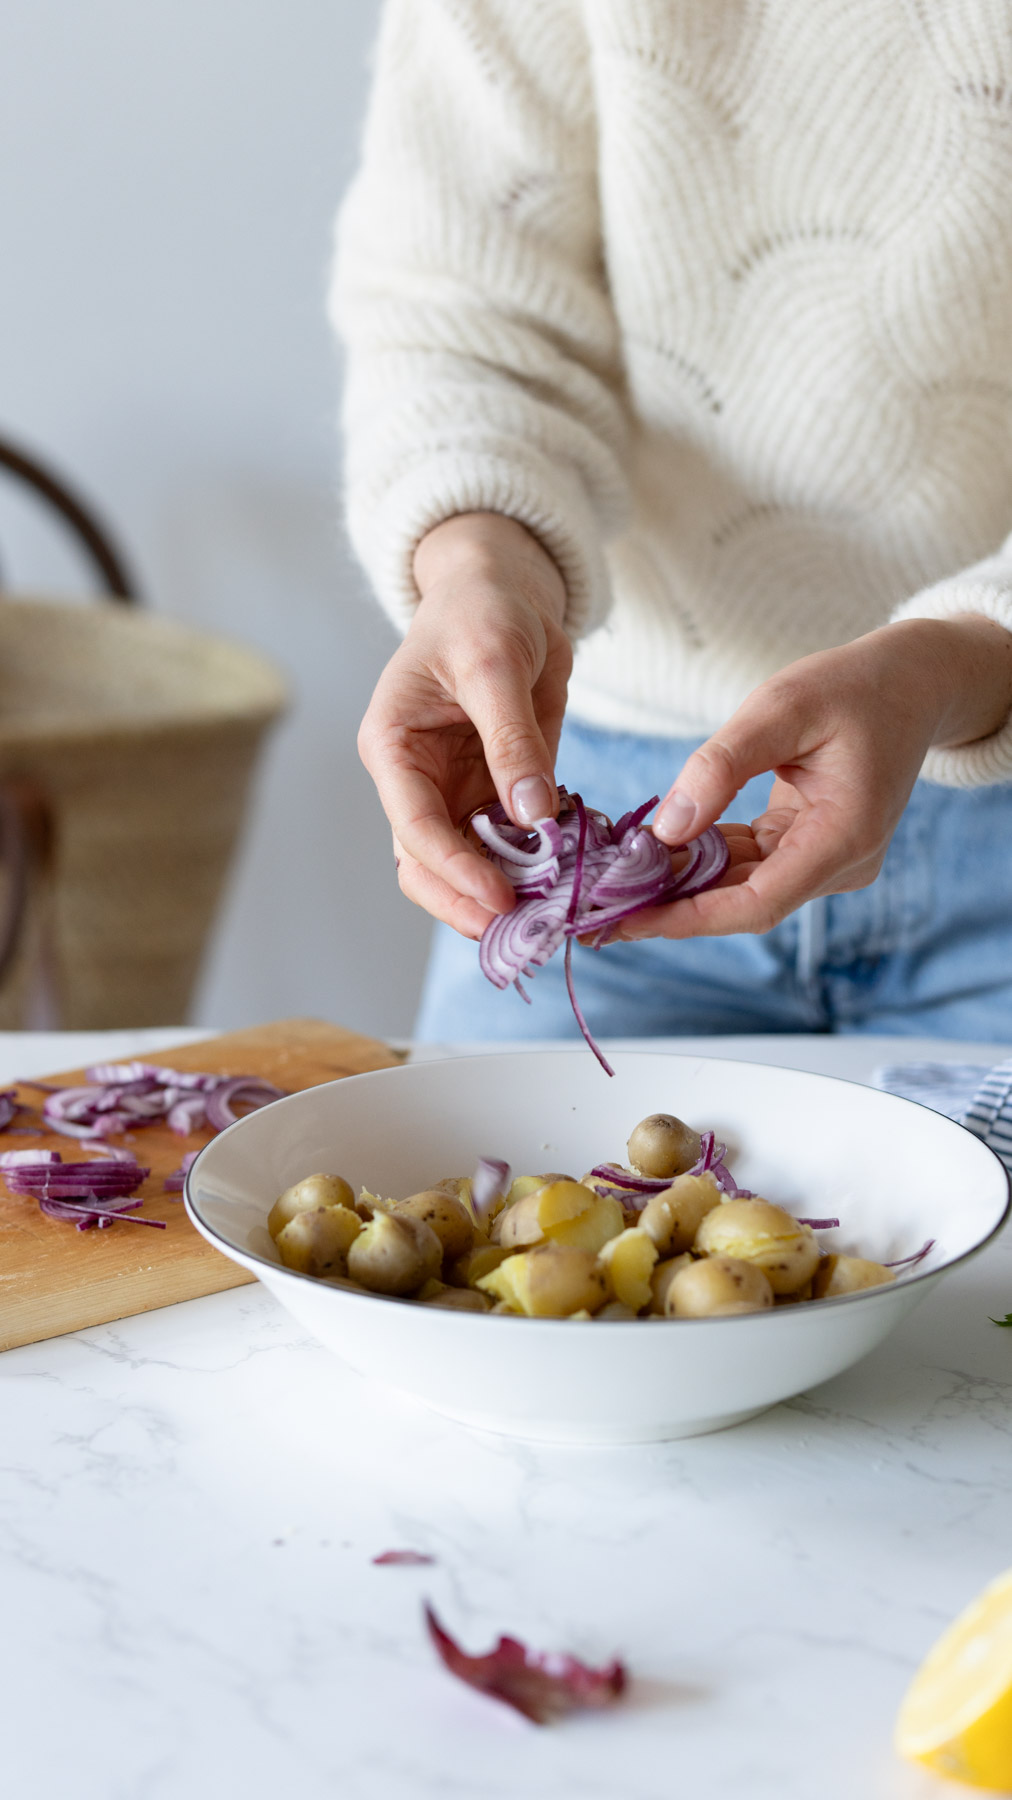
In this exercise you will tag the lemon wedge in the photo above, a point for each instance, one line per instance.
(956, 1717)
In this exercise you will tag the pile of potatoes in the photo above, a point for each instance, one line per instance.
(554, 1248)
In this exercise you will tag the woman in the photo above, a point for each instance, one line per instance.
(681, 332)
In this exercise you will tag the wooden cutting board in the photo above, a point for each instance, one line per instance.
(54, 1278)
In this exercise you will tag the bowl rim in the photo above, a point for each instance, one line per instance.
(253, 1260)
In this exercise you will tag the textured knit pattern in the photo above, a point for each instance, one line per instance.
(715, 296)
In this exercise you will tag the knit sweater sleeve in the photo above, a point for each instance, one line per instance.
(484, 370)
(984, 588)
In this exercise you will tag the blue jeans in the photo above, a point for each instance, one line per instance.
(925, 951)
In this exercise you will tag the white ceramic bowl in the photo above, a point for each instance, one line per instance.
(893, 1172)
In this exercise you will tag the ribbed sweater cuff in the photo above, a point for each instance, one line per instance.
(989, 760)
(548, 499)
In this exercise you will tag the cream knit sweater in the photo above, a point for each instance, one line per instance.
(715, 296)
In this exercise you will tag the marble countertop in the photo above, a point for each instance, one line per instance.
(190, 1502)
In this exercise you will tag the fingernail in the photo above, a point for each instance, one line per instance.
(674, 820)
(531, 800)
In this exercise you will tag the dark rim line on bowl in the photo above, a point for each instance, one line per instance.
(864, 1294)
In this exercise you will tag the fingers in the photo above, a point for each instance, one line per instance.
(428, 837)
(444, 903)
(754, 740)
(771, 827)
(808, 858)
(497, 698)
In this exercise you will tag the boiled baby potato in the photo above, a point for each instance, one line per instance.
(662, 1276)
(717, 1287)
(602, 1220)
(458, 1187)
(768, 1236)
(308, 1195)
(673, 1217)
(848, 1275)
(518, 1223)
(628, 1263)
(663, 1145)
(368, 1205)
(317, 1243)
(549, 1282)
(445, 1213)
(395, 1254)
(562, 1211)
(468, 1269)
(523, 1185)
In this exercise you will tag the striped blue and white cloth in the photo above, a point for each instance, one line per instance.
(974, 1095)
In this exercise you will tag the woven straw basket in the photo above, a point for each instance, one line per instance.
(126, 747)
(127, 743)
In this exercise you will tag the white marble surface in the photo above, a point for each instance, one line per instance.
(190, 1501)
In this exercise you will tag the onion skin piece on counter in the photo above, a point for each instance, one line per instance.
(543, 1686)
(405, 1559)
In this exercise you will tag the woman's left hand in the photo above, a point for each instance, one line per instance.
(845, 733)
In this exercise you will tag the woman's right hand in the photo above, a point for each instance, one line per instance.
(469, 708)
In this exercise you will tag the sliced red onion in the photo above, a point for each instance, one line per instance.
(176, 1181)
(47, 1176)
(533, 861)
(122, 1096)
(85, 1213)
(638, 865)
(624, 1181)
(578, 1011)
(117, 1073)
(186, 1115)
(820, 1224)
(908, 1262)
(542, 1687)
(576, 892)
(85, 1193)
(405, 1559)
(246, 1090)
(489, 1183)
(631, 821)
(524, 939)
(578, 877)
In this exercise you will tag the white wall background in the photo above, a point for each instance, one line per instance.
(168, 177)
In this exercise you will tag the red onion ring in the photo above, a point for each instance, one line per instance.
(122, 1096)
(577, 877)
(909, 1262)
(249, 1090)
